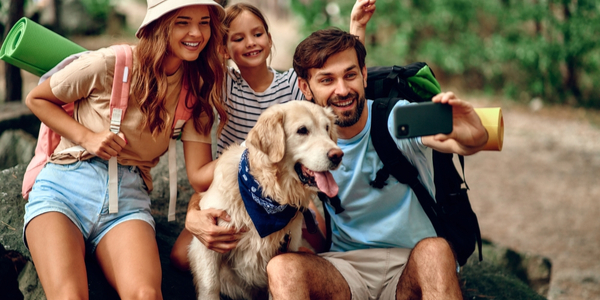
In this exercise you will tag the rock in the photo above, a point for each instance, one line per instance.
(539, 270)
(16, 115)
(29, 283)
(527, 275)
(9, 270)
(487, 281)
(504, 274)
(12, 209)
(16, 147)
(19, 129)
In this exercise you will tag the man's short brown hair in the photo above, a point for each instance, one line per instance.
(316, 49)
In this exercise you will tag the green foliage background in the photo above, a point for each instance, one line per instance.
(522, 49)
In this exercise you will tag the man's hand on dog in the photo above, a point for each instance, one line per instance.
(203, 225)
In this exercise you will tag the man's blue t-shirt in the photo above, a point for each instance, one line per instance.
(379, 218)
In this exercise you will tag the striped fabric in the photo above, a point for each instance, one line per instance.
(244, 105)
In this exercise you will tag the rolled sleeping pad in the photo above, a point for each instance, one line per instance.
(492, 120)
(34, 48)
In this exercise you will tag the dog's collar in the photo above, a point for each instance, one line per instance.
(267, 215)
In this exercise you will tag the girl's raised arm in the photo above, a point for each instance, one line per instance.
(362, 11)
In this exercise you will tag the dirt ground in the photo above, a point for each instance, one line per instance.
(539, 195)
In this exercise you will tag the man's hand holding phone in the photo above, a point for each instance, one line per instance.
(467, 136)
(422, 119)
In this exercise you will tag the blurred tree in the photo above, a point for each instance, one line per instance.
(14, 81)
(58, 8)
(524, 49)
(97, 11)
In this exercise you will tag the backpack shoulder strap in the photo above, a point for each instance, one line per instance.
(182, 114)
(394, 162)
(328, 230)
(118, 104)
(48, 139)
(121, 83)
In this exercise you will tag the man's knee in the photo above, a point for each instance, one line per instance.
(431, 270)
(284, 265)
(285, 274)
(436, 249)
(305, 276)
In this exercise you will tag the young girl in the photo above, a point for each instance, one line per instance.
(67, 214)
(249, 92)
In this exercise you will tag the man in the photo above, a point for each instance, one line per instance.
(383, 244)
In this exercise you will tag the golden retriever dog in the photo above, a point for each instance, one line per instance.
(265, 188)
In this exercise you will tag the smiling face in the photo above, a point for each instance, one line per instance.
(190, 34)
(340, 84)
(248, 42)
(293, 145)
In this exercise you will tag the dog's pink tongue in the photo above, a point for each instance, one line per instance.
(326, 183)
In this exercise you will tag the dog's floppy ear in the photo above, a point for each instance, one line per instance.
(332, 118)
(268, 135)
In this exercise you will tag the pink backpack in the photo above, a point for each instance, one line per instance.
(48, 140)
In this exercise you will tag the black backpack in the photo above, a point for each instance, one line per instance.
(450, 213)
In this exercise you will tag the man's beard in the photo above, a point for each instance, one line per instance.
(349, 118)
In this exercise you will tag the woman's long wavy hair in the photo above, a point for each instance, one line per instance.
(204, 76)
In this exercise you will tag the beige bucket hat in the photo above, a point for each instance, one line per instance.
(157, 8)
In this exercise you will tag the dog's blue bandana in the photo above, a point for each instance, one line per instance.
(267, 215)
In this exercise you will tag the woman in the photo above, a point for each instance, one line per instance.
(67, 213)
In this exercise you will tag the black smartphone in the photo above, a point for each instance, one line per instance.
(421, 119)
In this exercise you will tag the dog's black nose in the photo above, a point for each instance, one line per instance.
(335, 156)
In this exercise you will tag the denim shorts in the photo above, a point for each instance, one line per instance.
(80, 192)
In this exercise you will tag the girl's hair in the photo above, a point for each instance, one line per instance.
(204, 76)
(233, 11)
